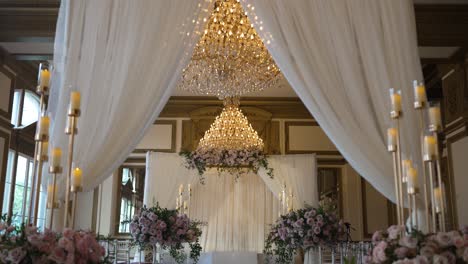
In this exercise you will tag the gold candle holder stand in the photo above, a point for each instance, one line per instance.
(36, 181)
(420, 106)
(38, 159)
(71, 130)
(396, 115)
(435, 130)
(54, 170)
(75, 190)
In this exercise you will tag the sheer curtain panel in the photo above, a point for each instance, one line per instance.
(125, 58)
(341, 57)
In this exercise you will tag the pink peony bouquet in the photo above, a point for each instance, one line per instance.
(25, 244)
(235, 162)
(303, 229)
(391, 246)
(167, 228)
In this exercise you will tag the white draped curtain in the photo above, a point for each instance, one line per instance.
(341, 57)
(238, 212)
(124, 57)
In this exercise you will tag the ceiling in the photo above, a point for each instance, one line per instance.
(27, 29)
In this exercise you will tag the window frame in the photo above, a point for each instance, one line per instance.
(118, 196)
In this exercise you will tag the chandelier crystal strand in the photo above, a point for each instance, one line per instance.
(230, 59)
(231, 131)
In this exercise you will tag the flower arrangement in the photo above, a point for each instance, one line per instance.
(167, 228)
(302, 229)
(442, 247)
(235, 162)
(25, 244)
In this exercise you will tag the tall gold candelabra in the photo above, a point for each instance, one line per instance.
(433, 196)
(54, 170)
(71, 130)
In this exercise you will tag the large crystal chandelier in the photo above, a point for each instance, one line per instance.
(230, 59)
(231, 131)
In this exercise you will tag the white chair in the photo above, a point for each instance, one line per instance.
(122, 251)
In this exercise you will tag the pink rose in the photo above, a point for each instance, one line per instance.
(394, 231)
(409, 242)
(443, 239)
(451, 258)
(401, 252)
(427, 251)
(378, 254)
(377, 236)
(439, 259)
(16, 255)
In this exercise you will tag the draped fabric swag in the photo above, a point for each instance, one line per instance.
(124, 57)
(341, 57)
(237, 213)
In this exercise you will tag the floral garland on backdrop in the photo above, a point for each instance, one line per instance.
(25, 244)
(303, 229)
(235, 162)
(416, 247)
(167, 228)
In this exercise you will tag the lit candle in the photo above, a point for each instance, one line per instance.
(190, 189)
(435, 120)
(77, 177)
(396, 100)
(438, 199)
(419, 92)
(406, 163)
(177, 203)
(56, 157)
(392, 138)
(185, 206)
(44, 79)
(75, 100)
(43, 127)
(45, 148)
(412, 175)
(429, 146)
(181, 189)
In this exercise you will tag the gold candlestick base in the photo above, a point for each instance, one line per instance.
(41, 138)
(434, 128)
(74, 112)
(419, 105)
(75, 189)
(395, 114)
(55, 169)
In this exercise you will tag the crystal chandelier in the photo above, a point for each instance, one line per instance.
(230, 131)
(230, 59)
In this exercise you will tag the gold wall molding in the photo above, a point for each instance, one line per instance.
(288, 150)
(6, 113)
(173, 124)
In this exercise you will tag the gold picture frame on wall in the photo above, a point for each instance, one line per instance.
(7, 113)
(172, 149)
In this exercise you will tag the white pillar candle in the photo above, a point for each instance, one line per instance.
(395, 100)
(56, 157)
(392, 137)
(438, 199)
(412, 174)
(430, 148)
(75, 100)
(407, 164)
(181, 189)
(43, 127)
(435, 119)
(419, 92)
(44, 79)
(45, 148)
(76, 180)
